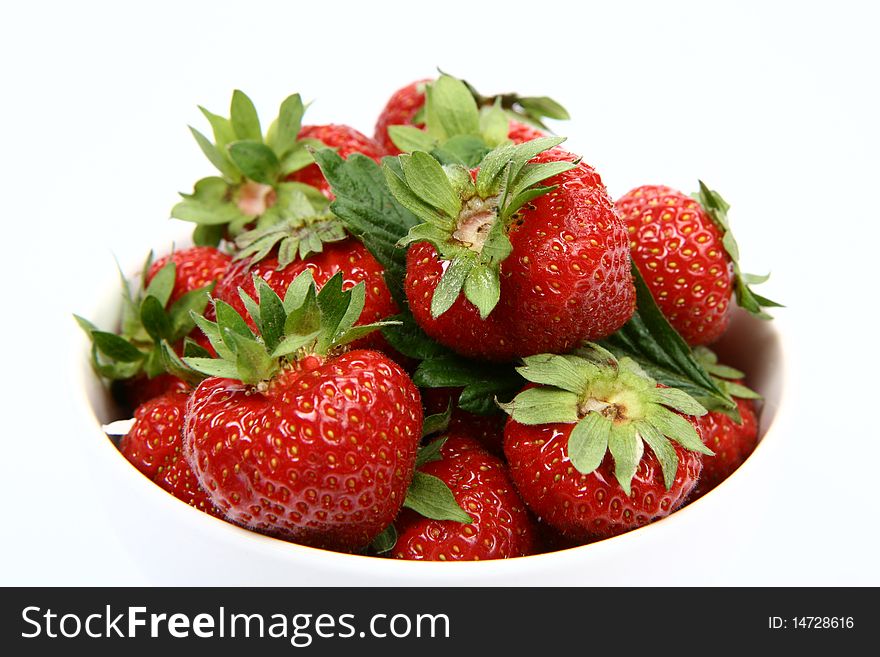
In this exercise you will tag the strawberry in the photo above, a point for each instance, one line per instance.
(133, 360)
(685, 251)
(292, 435)
(732, 439)
(345, 141)
(575, 443)
(488, 430)
(153, 445)
(406, 108)
(348, 257)
(196, 267)
(500, 526)
(264, 179)
(539, 273)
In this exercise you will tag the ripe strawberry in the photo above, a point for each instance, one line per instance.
(348, 257)
(263, 177)
(196, 267)
(488, 430)
(344, 140)
(732, 439)
(575, 444)
(401, 109)
(133, 360)
(293, 436)
(501, 526)
(686, 253)
(154, 446)
(541, 273)
(406, 107)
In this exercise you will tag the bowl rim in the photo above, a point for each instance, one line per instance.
(84, 377)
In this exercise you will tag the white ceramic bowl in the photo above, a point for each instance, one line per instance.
(178, 545)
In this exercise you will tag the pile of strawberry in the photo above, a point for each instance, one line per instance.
(447, 342)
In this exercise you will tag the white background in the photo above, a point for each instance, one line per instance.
(775, 104)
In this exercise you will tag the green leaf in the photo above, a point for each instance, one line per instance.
(432, 498)
(408, 338)
(435, 424)
(334, 305)
(408, 199)
(172, 364)
(212, 332)
(662, 449)
(431, 452)
(569, 373)
(451, 109)
(208, 204)
(676, 428)
(494, 124)
(289, 123)
(677, 400)
(427, 179)
(451, 282)
(369, 211)
(304, 318)
(216, 157)
(116, 347)
(293, 343)
(222, 128)
(252, 363)
(542, 106)
(244, 119)
(163, 283)
(213, 367)
(588, 442)
(204, 235)
(483, 289)
(626, 448)
(543, 405)
(256, 161)
(385, 541)
(229, 322)
(649, 339)
(180, 312)
(493, 165)
(272, 315)
(408, 138)
(741, 391)
(463, 150)
(154, 319)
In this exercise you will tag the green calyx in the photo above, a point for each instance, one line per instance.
(305, 322)
(724, 376)
(746, 299)
(252, 168)
(467, 220)
(148, 322)
(615, 407)
(299, 224)
(462, 125)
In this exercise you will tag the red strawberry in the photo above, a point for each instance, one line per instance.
(401, 109)
(686, 254)
(345, 140)
(348, 257)
(263, 176)
(131, 393)
(405, 105)
(196, 267)
(488, 430)
(501, 526)
(731, 441)
(576, 444)
(561, 259)
(154, 446)
(305, 443)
